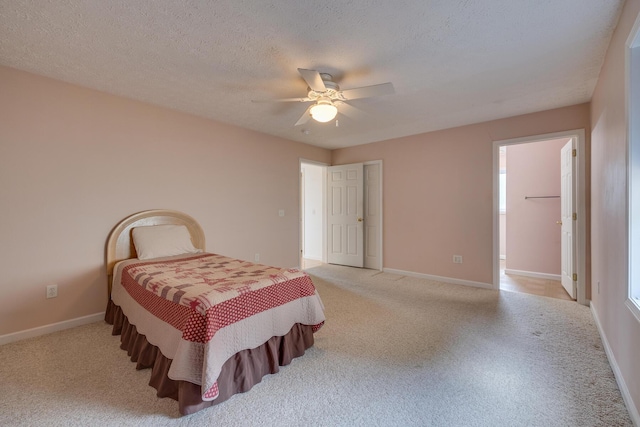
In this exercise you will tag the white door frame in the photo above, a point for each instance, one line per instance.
(301, 208)
(380, 204)
(581, 226)
(567, 224)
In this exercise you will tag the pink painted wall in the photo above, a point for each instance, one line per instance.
(438, 191)
(533, 237)
(609, 207)
(73, 162)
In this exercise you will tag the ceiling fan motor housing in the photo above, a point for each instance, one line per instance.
(332, 89)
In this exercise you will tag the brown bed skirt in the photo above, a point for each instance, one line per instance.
(239, 373)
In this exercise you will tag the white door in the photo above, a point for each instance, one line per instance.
(567, 203)
(345, 245)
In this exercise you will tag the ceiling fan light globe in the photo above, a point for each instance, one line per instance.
(323, 112)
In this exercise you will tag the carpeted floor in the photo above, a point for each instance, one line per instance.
(395, 351)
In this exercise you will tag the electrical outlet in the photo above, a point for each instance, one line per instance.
(281, 212)
(52, 291)
(256, 257)
(457, 259)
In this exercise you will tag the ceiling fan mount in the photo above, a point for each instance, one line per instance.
(332, 90)
(327, 96)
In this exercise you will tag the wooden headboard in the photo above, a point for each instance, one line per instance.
(120, 244)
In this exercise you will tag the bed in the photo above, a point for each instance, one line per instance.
(207, 325)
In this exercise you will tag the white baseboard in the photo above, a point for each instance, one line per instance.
(47, 329)
(533, 274)
(439, 278)
(624, 390)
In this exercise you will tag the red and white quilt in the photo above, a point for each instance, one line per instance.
(202, 309)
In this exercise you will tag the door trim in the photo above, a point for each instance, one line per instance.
(380, 205)
(581, 226)
(324, 166)
(567, 224)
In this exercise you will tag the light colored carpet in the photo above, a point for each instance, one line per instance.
(395, 351)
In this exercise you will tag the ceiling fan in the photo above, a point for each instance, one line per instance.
(327, 97)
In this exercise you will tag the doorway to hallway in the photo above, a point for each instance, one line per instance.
(318, 197)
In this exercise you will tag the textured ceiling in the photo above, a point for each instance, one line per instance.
(452, 62)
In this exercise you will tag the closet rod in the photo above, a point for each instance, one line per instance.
(541, 197)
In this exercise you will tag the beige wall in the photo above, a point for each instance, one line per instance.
(438, 191)
(609, 229)
(533, 236)
(73, 162)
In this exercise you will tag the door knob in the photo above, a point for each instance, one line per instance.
(559, 222)
(359, 219)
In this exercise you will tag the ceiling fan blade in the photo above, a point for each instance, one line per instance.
(368, 91)
(313, 79)
(282, 100)
(351, 111)
(305, 117)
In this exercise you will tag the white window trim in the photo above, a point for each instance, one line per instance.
(632, 81)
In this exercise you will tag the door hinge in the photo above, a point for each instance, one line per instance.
(575, 216)
(574, 152)
(575, 277)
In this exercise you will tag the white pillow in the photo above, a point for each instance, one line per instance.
(162, 240)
